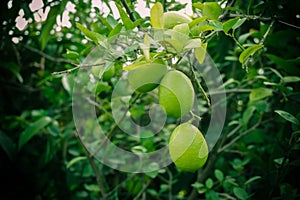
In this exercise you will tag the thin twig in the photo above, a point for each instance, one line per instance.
(231, 133)
(195, 116)
(119, 185)
(62, 60)
(267, 33)
(227, 196)
(142, 190)
(253, 17)
(288, 24)
(230, 91)
(129, 12)
(77, 67)
(226, 11)
(115, 125)
(170, 182)
(237, 42)
(240, 135)
(48, 57)
(200, 87)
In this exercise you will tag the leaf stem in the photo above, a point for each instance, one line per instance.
(200, 87)
(267, 33)
(237, 42)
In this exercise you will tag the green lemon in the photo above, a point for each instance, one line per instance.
(107, 75)
(188, 148)
(176, 94)
(147, 76)
(172, 18)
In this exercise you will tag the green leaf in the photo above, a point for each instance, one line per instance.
(68, 82)
(249, 52)
(146, 47)
(200, 53)
(104, 21)
(139, 150)
(279, 61)
(238, 23)
(247, 115)
(260, 93)
(217, 25)
(95, 37)
(197, 21)
(211, 10)
(116, 30)
(32, 130)
(156, 16)
(229, 24)
(276, 72)
(287, 116)
(135, 65)
(211, 195)
(279, 160)
(252, 179)
(153, 170)
(203, 28)
(182, 28)
(126, 20)
(200, 187)
(47, 27)
(92, 187)
(193, 43)
(209, 183)
(13, 68)
(7, 145)
(73, 55)
(136, 23)
(198, 5)
(219, 175)
(75, 160)
(240, 193)
(291, 79)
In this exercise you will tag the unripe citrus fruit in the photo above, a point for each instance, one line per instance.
(107, 75)
(172, 18)
(188, 148)
(176, 94)
(146, 77)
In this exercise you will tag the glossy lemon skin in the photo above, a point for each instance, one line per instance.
(176, 94)
(188, 148)
(147, 77)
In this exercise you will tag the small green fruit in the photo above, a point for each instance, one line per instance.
(188, 148)
(176, 94)
(146, 77)
(108, 74)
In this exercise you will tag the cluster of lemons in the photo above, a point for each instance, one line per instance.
(187, 146)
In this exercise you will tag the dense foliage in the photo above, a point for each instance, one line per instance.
(255, 46)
